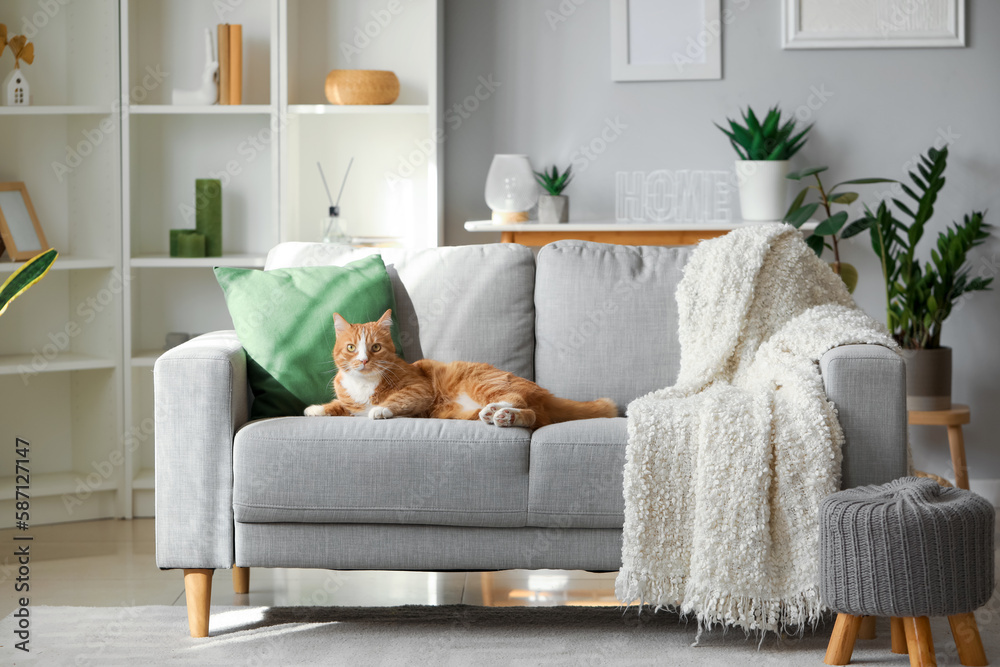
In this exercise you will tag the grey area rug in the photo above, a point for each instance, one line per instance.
(457, 635)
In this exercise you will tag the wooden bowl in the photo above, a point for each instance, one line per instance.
(361, 86)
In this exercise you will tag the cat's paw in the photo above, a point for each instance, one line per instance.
(505, 417)
(315, 411)
(380, 412)
(487, 413)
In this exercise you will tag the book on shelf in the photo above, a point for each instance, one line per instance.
(230, 63)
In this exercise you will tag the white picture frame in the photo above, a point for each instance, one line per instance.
(875, 24)
(653, 40)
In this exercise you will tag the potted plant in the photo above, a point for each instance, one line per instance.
(553, 206)
(764, 149)
(921, 295)
(800, 212)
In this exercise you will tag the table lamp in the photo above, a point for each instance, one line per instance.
(511, 189)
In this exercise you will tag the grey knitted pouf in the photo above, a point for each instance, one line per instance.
(906, 548)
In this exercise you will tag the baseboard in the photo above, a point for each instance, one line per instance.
(987, 488)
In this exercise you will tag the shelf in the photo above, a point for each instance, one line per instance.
(166, 262)
(12, 364)
(63, 263)
(216, 109)
(333, 109)
(53, 484)
(610, 226)
(56, 110)
(145, 480)
(145, 358)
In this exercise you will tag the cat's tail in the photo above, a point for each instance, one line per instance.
(563, 409)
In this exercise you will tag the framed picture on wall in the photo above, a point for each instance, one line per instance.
(867, 24)
(20, 230)
(653, 40)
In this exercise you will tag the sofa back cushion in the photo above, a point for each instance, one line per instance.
(463, 303)
(606, 319)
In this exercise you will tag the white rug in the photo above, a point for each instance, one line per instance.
(456, 635)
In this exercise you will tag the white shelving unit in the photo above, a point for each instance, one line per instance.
(394, 189)
(60, 344)
(89, 408)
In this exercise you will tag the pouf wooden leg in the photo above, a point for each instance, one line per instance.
(198, 593)
(841, 646)
(898, 636)
(966, 633)
(919, 641)
(867, 630)
(241, 580)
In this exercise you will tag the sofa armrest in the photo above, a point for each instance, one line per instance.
(867, 383)
(202, 399)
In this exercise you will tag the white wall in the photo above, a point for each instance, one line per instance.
(881, 107)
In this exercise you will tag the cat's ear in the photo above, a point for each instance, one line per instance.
(386, 319)
(339, 323)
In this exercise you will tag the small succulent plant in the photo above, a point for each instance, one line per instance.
(552, 181)
(768, 140)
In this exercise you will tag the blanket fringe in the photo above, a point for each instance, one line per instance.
(790, 615)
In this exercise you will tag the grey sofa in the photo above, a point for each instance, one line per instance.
(582, 319)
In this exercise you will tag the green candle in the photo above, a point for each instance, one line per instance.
(191, 245)
(175, 240)
(208, 214)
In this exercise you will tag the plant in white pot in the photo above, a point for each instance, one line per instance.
(764, 149)
(554, 205)
(921, 296)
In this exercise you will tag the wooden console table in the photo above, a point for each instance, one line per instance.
(633, 233)
(953, 419)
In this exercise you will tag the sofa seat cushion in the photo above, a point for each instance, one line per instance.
(396, 471)
(576, 474)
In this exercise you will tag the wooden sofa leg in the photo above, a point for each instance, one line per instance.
(898, 636)
(198, 593)
(919, 641)
(970, 645)
(867, 630)
(241, 580)
(841, 646)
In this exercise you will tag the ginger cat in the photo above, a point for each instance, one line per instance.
(372, 380)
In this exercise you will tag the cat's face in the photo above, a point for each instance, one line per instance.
(363, 348)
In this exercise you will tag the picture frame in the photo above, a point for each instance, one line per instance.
(872, 24)
(656, 41)
(20, 231)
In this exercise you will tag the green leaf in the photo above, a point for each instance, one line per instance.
(26, 276)
(817, 244)
(857, 227)
(845, 198)
(863, 181)
(799, 175)
(831, 225)
(801, 215)
(801, 197)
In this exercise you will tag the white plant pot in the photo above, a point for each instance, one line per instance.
(763, 188)
(553, 209)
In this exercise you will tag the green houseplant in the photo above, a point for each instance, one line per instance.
(27, 275)
(920, 296)
(764, 148)
(825, 234)
(554, 205)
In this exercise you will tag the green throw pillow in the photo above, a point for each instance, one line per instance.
(284, 319)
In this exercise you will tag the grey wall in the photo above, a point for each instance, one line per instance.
(881, 108)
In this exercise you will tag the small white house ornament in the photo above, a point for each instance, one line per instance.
(16, 90)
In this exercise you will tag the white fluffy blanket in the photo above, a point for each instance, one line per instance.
(726, 469)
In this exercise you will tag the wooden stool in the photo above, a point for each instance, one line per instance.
(953, 419)
(909, 636)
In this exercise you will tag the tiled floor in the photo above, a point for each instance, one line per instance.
(111, 563)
